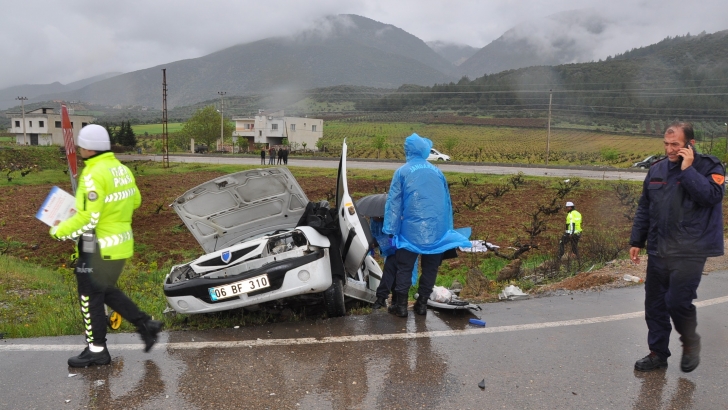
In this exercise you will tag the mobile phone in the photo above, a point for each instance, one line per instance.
(687, 145)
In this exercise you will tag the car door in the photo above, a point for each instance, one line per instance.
(355, 236)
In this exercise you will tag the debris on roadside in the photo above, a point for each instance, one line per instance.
(482, 384)
(477, 322)
(512, 292)
(631, 278)
(443, 298)
(479, 246)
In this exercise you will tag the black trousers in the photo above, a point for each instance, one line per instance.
(573, 239)
(670, 288)
(405, 261)
(388, 275)
(96, 279)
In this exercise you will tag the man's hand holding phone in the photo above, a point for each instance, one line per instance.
(686, 156)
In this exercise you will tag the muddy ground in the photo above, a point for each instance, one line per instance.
(162, 238)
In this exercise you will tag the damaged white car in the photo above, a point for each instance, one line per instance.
(267, 245)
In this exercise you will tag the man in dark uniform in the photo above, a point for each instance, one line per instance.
(262, 156)
(680, 217)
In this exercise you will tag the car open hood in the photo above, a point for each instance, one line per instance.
(240, 206)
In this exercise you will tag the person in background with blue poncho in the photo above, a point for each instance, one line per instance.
(418, 220)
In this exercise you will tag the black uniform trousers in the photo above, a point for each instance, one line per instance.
(405, 261)
(96, 279)
(670, 288)
(573, 239)
(388, 276)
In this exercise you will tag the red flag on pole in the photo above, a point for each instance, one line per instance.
(70, 146)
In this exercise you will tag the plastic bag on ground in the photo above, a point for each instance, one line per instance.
(440, 294)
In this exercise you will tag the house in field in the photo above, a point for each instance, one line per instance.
(42, 126)
(271, 128)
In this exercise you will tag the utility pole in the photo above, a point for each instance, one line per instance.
(222, 117)
(548, 136)
(22, 103)
(165, 133)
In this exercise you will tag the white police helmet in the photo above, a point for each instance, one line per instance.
(94, 138)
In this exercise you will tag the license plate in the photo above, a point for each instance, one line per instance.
(239, 288)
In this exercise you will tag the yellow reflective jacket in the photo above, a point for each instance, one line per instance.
(107, 196)
(573, 222)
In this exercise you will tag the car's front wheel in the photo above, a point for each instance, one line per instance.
(440, 159)
(334, 298)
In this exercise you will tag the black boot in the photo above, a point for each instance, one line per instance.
(148, 332)
(650, 362)
(690, 357)
(88, 358)
(393, 306)
(379, 303)
(420, 305)
(400, 308)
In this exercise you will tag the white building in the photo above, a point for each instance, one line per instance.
(271, 128)
(43, 126)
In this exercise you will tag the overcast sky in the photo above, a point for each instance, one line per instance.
(44, 41)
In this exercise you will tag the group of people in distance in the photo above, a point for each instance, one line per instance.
(276, 156)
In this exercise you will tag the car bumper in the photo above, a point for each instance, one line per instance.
(290, 277)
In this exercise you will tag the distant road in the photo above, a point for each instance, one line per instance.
(464, 167)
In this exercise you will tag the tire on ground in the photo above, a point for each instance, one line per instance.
(334, 298)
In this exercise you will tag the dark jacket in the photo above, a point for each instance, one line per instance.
(680, 212)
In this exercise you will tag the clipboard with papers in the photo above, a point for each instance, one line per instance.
(58, 206)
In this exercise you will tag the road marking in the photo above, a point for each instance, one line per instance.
(356, 338)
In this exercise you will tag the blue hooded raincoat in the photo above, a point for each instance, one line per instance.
(418, 212)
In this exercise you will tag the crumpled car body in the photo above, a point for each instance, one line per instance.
(264, 247)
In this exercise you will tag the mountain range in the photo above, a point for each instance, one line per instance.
(340, 50)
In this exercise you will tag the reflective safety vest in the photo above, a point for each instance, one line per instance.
(573, 222)
(107, 196)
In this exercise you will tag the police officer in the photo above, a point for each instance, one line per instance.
(680, 218)
(572, 234)
(105, 200)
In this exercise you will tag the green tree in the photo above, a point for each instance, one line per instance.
(112, 130)
(320, 144)
(204, 127)
(126, 136)
(379, 142)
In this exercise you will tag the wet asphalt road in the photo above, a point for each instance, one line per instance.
(465, 167)
(572, 351)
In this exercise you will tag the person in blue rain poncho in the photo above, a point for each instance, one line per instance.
(418, 220)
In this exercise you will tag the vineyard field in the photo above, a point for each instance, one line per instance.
(154, 129)
(477, 143)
